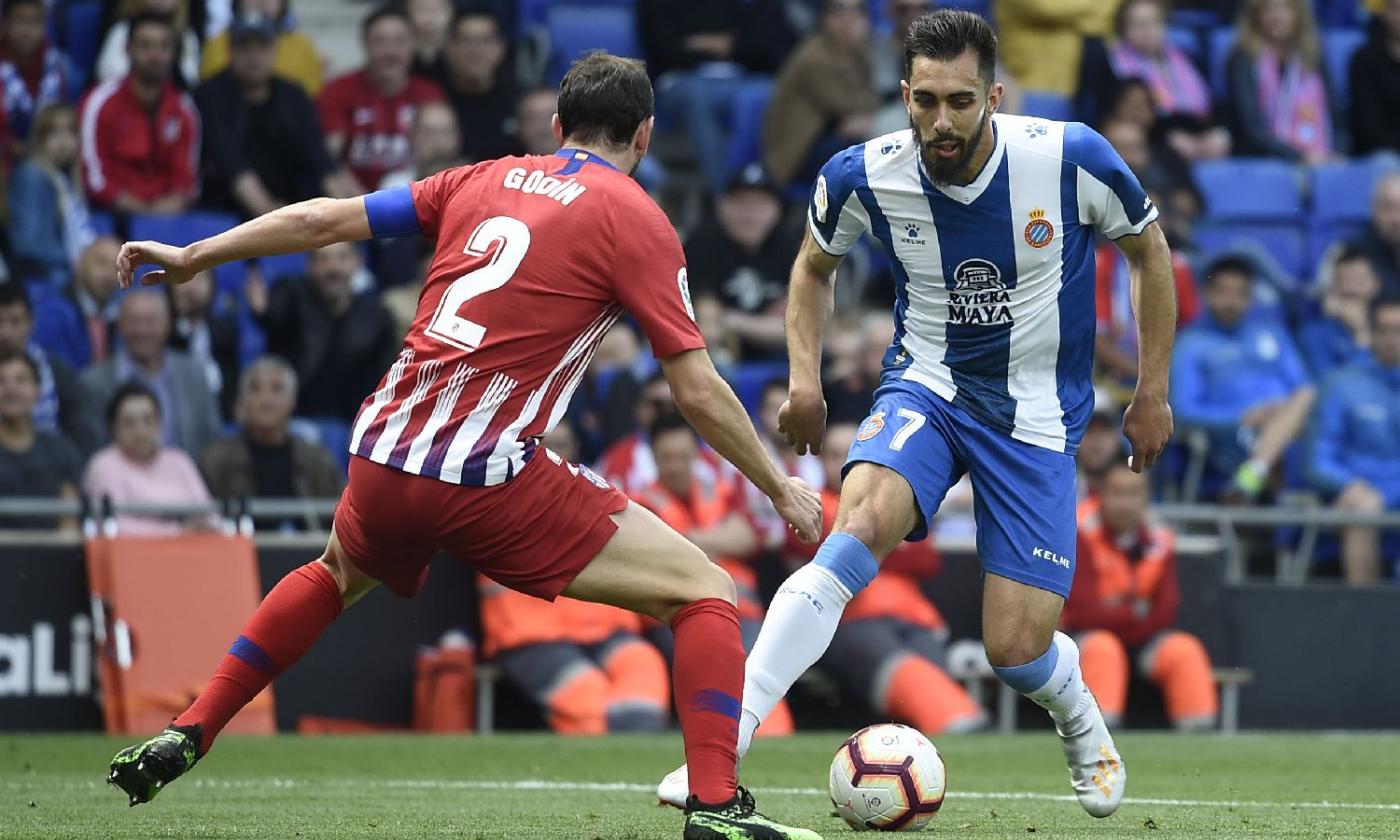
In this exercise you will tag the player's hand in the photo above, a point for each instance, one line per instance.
(802, 420)
(801, 506)
(1147, 424)
(173, 262)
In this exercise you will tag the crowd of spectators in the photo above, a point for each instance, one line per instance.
(190, 115)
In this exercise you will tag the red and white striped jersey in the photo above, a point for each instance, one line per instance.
(536, 258)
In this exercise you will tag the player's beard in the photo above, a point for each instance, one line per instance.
(947, 170)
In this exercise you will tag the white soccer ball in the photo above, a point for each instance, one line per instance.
(887, 777)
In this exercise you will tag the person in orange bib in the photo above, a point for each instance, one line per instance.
(586, 664)
(891, 643)
(1123, 605)
(708, 508)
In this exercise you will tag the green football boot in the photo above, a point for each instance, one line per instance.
(143, 770)
(736, 820)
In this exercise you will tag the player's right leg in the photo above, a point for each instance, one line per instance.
(899, 469)
(649, 568)
(283, 627)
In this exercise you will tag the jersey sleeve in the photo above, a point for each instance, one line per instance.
(1110, 196)
(835, 214)
(429, 199)
(650, 279)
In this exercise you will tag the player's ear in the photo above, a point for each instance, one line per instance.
(558, 128)
(641, 140)
(994, 94)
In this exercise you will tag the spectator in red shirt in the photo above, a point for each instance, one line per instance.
(368, 113)
(140, 134)
(1124, 602)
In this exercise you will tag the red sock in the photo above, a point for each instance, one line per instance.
(282, 629)
(709, 677)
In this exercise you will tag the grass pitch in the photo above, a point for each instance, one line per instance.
(523, 787)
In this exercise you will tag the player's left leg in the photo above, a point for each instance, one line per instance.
(1026, 532)
(283, 627)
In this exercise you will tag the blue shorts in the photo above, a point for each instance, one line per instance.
(1024, 498)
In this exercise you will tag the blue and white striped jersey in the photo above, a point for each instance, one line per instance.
(994, 280)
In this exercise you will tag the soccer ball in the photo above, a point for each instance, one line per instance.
(887, 777)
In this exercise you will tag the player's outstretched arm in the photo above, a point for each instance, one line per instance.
(811, 298)
(305, 226)
(1147, 423)
(709, 404)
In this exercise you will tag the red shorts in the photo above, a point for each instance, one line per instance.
(534, 533)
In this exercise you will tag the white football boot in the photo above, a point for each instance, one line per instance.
(1096, 770)
(674, 789)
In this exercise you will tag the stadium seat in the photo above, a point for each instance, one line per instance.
(746, 112)
(331, 432)
(1195, 19)
(1324, 236)
(748, 380)
(1219, 42)
(190, 227)
(534, 13)
(980, 7)
(286, 265)
(103, 223)
(1250, 190)
(1283, 243)
(1337, 48)
(1049, 106)
(77, 28)
(1188, 40)
(574, 30)
(1342, 191)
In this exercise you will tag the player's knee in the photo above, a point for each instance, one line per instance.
(701, 581)
(350, 582)
(1016, 645)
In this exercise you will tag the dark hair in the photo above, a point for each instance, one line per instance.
(1351, 252)
(1383, 302)
(130, 390)
(388, 10)
(1230, 264)
(13, 294)
(7, 356)
(668, 421)
(603, 98)
(148, 19)
(470, 12)
(1120, 18)
(11, 5)
(945, 34)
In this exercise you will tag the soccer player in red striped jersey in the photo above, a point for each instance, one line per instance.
(536, 258)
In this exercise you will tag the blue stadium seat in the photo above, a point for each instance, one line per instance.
(77, 26)
(1218, 45)
(286, 265)
(331, 432)
(533, 13)
(1189, 40)
(190, 227)
(1324, 236)
(574, 30)
(1283, 243)
(1342, 191)
(1195, 18)
(1337, 47)
(103, 223)
(1250, 190)
(981, 7)
(747, 380)
(746, 112)
(1048, 106)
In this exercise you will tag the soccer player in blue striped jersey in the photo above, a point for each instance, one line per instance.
(990, 221)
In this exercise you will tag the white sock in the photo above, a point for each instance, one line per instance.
(796, 632)
(1064, 694)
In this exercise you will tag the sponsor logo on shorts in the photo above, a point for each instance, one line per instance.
(871, 427)
(1047, 554)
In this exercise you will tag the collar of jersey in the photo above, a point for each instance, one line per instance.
(585, 157)
(969, 192)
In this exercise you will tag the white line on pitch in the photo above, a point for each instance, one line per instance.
(633, 787)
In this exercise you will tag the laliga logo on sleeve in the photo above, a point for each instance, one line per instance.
(819, 198)
(683, 281)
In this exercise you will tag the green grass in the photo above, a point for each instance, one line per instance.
(429, 787)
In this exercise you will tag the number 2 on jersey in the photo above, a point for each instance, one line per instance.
(514, 238)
